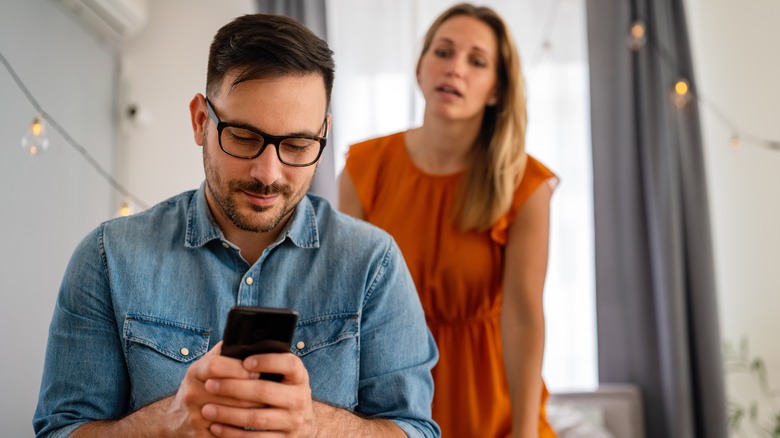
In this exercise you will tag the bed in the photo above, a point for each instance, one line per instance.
(611, 411)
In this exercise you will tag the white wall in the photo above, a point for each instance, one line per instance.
(50, 202)
(737, 66)
(161, 70)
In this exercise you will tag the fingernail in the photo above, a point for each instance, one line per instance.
(209, 412)
(212, 386)
(251, 363)
(216, 429)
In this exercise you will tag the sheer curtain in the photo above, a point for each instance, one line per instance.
(376, 45)
(312, 14)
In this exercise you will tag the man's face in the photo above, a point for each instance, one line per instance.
(259, 195)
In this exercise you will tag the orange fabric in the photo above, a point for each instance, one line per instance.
(458, 276)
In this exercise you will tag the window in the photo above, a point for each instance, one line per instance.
(376, 45)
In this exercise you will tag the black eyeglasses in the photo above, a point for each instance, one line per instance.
(248, 143)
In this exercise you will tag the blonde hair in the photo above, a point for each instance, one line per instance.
(498, 156)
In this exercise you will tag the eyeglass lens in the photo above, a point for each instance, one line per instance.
(292, 150)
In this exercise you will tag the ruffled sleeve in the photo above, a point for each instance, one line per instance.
(535, 175)
(364, 164)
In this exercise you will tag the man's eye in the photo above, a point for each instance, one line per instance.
(243, 136)
(298, 144)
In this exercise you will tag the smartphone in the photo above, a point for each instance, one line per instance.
(258, 330)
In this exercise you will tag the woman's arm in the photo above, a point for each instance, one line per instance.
(349, 202)
(522, 315)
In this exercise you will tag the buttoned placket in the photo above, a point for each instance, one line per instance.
(249, 289)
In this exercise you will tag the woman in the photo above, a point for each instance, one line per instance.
(470, 211)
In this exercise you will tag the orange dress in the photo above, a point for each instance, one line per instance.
(458, 276)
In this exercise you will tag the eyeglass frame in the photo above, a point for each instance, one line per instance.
(267, 138)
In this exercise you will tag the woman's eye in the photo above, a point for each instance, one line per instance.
(478, 63)
(441, 53)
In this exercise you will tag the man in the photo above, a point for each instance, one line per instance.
(134, 342)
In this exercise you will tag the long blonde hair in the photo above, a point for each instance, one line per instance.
(498, 156)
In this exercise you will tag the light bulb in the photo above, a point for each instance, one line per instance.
(35, 140)
(736, 142)
(681, 87)
(681, 93)
(126, 209)
(637, 38)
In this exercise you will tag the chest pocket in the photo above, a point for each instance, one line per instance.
(158, 353)
(328, 346)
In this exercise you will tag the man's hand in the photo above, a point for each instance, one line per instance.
(181, 415)
(238, 401)
(185, 410)
(221, 396)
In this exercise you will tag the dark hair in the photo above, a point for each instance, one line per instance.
(265, 46)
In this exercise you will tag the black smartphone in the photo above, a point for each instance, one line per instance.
(258, 330)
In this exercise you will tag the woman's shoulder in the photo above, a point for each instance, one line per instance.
(535, 175)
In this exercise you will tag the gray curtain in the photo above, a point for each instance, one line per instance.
(312, 14)
(656, 300)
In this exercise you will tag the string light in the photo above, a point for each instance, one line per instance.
(681, 94)
(126, 209)
(546, 45)
(43, 115)
(637, 38)
(35, 140)
(736, 143)
(640, 36)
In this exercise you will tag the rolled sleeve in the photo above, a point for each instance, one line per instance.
(397, 351)
(84, 377)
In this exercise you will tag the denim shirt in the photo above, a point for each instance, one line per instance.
(145, 296)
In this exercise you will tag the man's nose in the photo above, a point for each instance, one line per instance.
(266, 167)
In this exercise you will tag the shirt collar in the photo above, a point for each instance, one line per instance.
(302, 229)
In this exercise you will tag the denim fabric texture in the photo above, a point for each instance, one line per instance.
(146, 295)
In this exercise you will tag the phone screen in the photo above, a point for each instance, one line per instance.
(258, 330)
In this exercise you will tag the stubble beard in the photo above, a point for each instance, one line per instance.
(258, 219)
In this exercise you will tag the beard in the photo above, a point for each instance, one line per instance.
(243, 214)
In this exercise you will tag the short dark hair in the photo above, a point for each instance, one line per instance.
(267, 46)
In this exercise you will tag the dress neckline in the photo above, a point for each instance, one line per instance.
(435, 176)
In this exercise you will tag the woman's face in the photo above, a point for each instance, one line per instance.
(457, 74)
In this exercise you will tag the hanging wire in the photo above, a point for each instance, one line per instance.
(670, 63)
(68, 138)
(547, 30)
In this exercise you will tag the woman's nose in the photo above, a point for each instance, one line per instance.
(455, 66)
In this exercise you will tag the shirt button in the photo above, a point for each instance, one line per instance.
(249, 280)
(225, 244)
(300, 345)
(184, 352)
